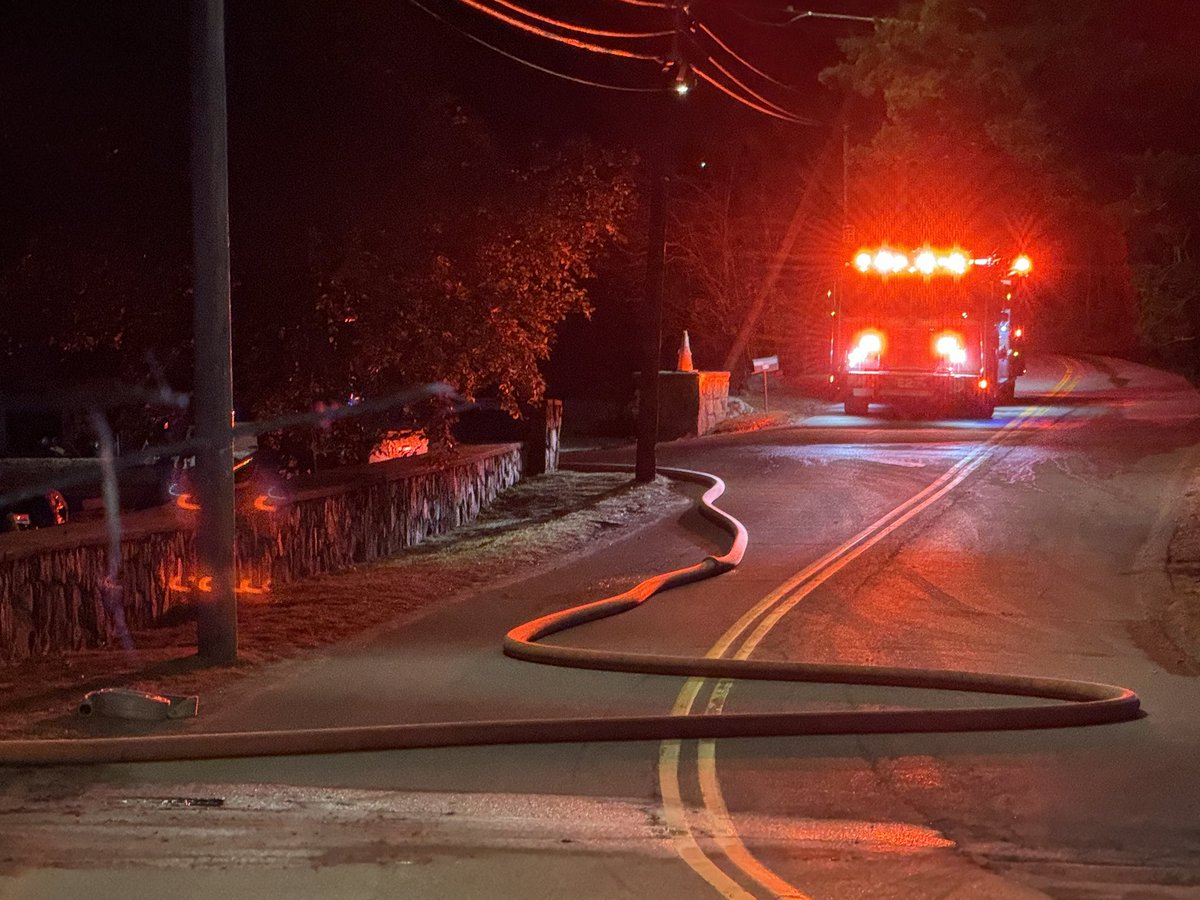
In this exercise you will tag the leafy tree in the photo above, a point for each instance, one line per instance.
(380, 236)
(1164, 219)
(753, 236)
(961, 145)
(1053, 125)
(461, 275)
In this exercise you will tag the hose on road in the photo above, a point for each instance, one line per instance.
(1079, 703)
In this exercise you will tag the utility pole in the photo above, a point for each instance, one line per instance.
(650, 320)
(212, 397)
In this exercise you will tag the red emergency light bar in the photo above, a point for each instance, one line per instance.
(928, 262)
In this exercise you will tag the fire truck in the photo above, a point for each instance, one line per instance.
(927, 330)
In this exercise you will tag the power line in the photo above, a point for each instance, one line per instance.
(541, 32)
(581, 29)
(745, 62)
(742, 92)
(756, 96)
(750, 103)
(654, 4)
(532, 65)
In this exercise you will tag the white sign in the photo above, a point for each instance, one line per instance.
(766, 364)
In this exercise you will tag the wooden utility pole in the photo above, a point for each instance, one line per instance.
(651, 323)
(212, 396)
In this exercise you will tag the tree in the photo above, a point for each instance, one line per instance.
(753, 237)
(996, 120)
(460, 274)
(1164, 218)
(956, 147)
(380, 234)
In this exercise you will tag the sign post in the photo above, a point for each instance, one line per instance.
(763, 365)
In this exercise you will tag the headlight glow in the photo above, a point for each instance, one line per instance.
(947, 344)
(869, 344)
(950, 347)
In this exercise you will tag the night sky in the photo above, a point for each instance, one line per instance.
(93, 96)
(94, 127)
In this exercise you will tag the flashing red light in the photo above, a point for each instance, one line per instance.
(956, 263)
(926, 262)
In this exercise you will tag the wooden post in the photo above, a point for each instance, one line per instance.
(212, 398)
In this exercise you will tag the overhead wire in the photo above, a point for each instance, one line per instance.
(696, 23)
(541, 32)
(743, 100)
(740, 91)
(758, 97)
(532, 65)
(581, 29)
(653, 4)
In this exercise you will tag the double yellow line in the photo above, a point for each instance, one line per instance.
(754, 625)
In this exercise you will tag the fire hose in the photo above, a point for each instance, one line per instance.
(1077, 703)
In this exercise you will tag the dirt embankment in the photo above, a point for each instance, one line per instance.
(1182, 611)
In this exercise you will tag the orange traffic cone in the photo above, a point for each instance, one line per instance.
(684, 363)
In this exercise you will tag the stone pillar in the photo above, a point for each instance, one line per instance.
(541, 446)
(690, 403)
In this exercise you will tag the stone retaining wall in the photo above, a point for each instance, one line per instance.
(52, 581)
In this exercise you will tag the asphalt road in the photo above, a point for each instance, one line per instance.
(1049, 558)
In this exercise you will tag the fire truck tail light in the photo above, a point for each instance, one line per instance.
(983, 384)
(862, 262)
(1022, 265)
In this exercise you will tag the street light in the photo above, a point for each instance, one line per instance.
(809, 14)
(845, 17)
